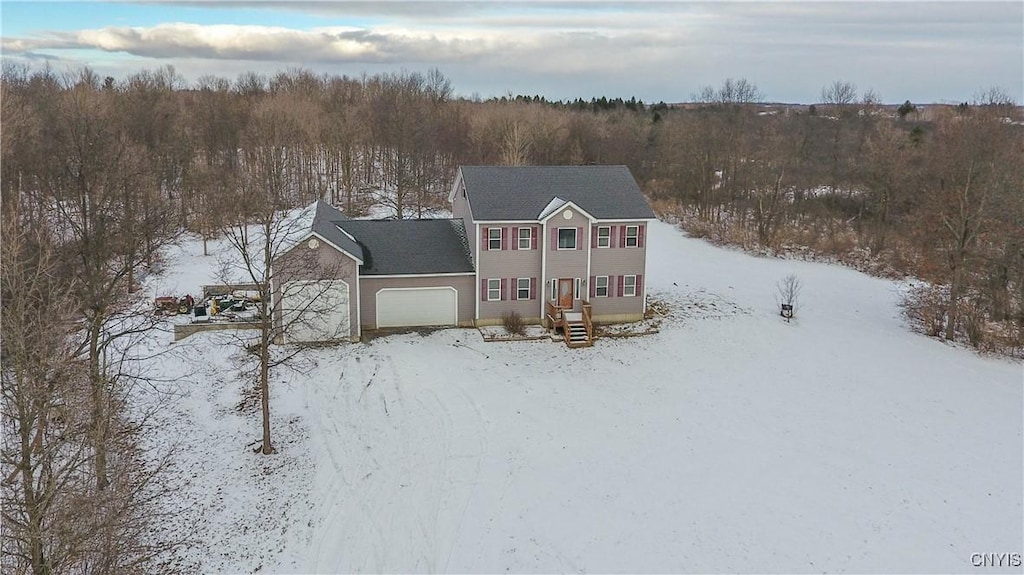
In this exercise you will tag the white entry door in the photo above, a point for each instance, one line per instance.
(410, 307)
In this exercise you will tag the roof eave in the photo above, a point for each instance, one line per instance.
(567, 203)
(357, 259)
(455, 185)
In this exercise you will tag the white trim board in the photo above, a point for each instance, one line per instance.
(398, 276)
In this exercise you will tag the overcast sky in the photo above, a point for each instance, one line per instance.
(921, 51)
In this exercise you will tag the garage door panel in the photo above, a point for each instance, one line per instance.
(315, 310)
(400, 307)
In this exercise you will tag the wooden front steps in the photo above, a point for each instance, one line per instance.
(577, 327)
(576, 335)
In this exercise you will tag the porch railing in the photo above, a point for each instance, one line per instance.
(553, 315)
(587, 321)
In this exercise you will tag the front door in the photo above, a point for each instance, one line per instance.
(565, 293)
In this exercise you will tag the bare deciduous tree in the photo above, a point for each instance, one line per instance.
(515, 146)
(56, 519)
(295, 284)
(789, 289)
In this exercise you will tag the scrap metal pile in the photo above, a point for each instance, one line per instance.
(234, 307)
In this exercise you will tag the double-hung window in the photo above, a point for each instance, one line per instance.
(628, 286)
(493, 238)
(525, 238)
(632, 236)
(601, 286)
(523, 288)
(494, 290)
(604, 236)
(566, 238)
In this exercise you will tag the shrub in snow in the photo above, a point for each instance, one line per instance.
(925, 308)
(513, 323)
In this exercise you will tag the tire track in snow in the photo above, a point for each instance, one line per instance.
(403, 480)
(344, 443)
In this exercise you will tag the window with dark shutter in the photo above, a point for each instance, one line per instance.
(525, 236)
(523, 288)
(632, 236)
(629, 286)
(494, 289)
(566, 238)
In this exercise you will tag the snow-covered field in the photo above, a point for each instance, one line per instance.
(729, 441)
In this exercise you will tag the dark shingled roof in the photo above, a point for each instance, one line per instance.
(521, 193)
(392, 247)
(325, 221)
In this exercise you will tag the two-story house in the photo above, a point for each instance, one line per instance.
(554, 236)
(559, 245)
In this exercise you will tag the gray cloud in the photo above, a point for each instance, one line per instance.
(920, 51)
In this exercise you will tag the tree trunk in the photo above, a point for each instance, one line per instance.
(265, 387)
(266, 333)
(97, 397)
(33, 505)
(955, 288)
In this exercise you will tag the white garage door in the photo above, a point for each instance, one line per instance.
(399, 307)
(315, 310)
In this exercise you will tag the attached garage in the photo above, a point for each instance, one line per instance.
(315, 310)
(345, 276)
(410, 307)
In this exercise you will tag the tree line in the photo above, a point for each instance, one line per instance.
(98, 174)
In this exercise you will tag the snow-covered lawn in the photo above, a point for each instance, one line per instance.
(728, 441)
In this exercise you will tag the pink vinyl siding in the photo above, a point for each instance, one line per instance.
(509, 265)
(325, 262)
(565, 263)
(370, 285)
(618, 261)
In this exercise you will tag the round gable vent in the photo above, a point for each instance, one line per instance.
(567, 214)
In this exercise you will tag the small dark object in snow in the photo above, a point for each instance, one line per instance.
(787, 311)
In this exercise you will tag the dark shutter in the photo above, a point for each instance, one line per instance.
(622, 282)
(554, 238)
(504, 288)
(640, 237)
(504, 238)
(593, 287)
(484, 245)
(639, 284)
(622, 236)
(483, 290)
(515, 238)
(579, 238)
(514, 292)
(533, 288)
(593, 237)
(533, 237)
(611, 236)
